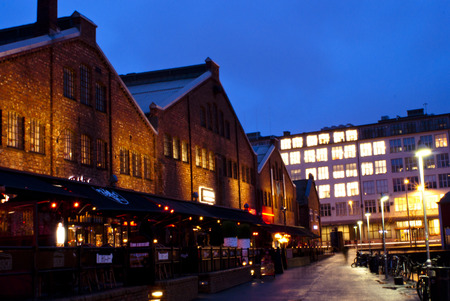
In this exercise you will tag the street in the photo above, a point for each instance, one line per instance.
(328, 279)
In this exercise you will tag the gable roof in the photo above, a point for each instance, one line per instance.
(304, 190)
(263, 153)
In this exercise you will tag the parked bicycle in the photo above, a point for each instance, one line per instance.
(424, 277)
(361, 260)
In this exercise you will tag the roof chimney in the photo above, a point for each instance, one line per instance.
(47, 16)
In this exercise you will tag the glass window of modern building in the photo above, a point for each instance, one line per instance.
(440, 140)
(367, 168)
(350, 151)
(411, 163)
(395, 146)
(337, 153)
(427, 140)
(311, 140)
(370, 206)
(322, 155)
(397, 165)
(442, 160)
(324, 191)
(368, 187)
(309, 156)
(325, 210)
(382, 186)
(294, 157)
(324, 138)
(379, 148)
(338, 171)
(338, 137)
(380, 167)
(341, 209)
(296, 174)
(339, 190)
(366, 149)
(409, 144)
(351, 170)
(285, 143)
(285, 157)
(351, 135)
(297, 142)
(323, 173)
(311, 171)
(352, 188)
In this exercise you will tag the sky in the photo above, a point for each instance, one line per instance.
(288, 65)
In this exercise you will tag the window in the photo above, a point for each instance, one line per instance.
(353, 208)
(427, 141)
(100, 97)
(211, 161)
(396, 129)
(205, 158)
(352, 189)
(69, 145)
(397, 165)
(409, 144)
(338, 137)
(310, 156)
(442, 160)
(101, 154)
(184, 152)
(440, 140)
(428, 162)
(86, 156)
(351, 170)
(400, 204)
(297, 142)
(323, 173)
(382, 186)
(379, 148)
(68, 85)
(147, 168)
(324, 191)
(311, 171)
(398, 184)
(413, 183)
(339, 190)
(380, 167)
(338, 171)
(124, 161)
(325, 210)
(410, 163)
(366, 149)
(311, 140)
(341, 209)
(85, 78)
(285, 157)
(351, 135)
(15, 130)
(167, 145)
(430, 181)
(444, 180)
(136, 162)
(176, 148)
(370, 206)
(203, 116)
(337, 153)
(322, 155)
(285, 143)
(368, 187)
(296, 174)
(395, 146)
(349, 151)
(295, 157)
(367, 168)
(387, 206)
(324, 138)
(37, 134)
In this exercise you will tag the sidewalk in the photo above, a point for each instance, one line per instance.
(329, 279)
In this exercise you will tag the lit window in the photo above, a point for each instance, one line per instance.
(124, 161)
(441, 140)
(176, 148)
(204, 158)
(366, 149)
(285, 143)
(147, 168)
(338, 137)
(198, 156)
(338, 171)
(351, 170)
(296, 174)
(349, 151)
(136, 163)
(324, 138)
(311, 140)
(311, 171)
(337, 153)
(351, 135)
(322, 155)
(69, 145)
(352, 189)
(184, 151)
(101, 154)
(294, 157)
(212, 165)
(379, 148)
(324, 191)
(380, 167)
(400, 204)
(167, 145)
(323, 173)
(37, 131)
(285, 157)
(339, 190)
(297, 142)
(15, 130)
(411, 163)
(367, 168)
(310, 156)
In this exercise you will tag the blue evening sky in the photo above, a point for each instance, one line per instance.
(293, 66)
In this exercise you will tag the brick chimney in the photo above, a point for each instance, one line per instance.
(47, 17)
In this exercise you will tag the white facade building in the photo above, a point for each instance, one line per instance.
(355, 165)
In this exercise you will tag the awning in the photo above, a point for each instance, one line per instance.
(292, 230)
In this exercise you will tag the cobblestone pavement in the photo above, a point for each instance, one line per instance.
(329, 279)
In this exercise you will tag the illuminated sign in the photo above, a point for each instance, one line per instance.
(112, 195)
(80, 179)
(207, 196)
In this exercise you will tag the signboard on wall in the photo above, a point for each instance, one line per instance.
(207, 196)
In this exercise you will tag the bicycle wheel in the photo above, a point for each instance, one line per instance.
(422, 289)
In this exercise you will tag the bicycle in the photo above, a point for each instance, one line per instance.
(423, 282)
(361, 260)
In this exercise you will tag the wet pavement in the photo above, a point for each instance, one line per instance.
(329, 279)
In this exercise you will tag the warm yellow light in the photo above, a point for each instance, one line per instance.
(60, 235)
(244, 263)
(360, 222)
(406, 181)
(218, 221)
(367, 215)
(157, 294)
(155, 241)
(277, 236)
(350, 203)
(201, 218)
(423, 152)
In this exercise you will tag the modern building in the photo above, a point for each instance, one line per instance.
(354, 166)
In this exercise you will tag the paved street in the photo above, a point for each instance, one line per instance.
(329, 279)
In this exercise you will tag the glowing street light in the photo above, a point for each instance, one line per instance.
(382, 200)
(407, 209)
(368, 232)
(360, 238)
(423, 151)
(356, 236)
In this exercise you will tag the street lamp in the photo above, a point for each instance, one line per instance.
(356, 237)
(423, 151)
(360, 238)
(382, 200)
(407, 209)
(368, 232)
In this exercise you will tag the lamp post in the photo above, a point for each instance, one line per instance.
(423, 151)
(356, 237)
(368, 231)
(360, 238)
(382, 200)
(407, 209)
